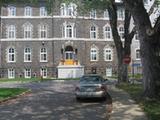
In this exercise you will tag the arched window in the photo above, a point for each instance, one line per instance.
(69, 53)
(27, 11)
(93, 32)
(43, 31)
(108, 54)
(94, 54)
(27, 55)
(11, 55)
(43, 55)
(107, 32)
(11, 31)
(27, 30)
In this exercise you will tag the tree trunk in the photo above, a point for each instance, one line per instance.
(151, 69)
(148, 48)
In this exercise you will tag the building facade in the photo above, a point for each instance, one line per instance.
(34, 42)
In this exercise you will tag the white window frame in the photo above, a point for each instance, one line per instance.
(136, 54)
(28, 11)
(28, 28)
(43, 11)
(11, 73)
(11, 11)
(43, 72)
(94, 54)
(106, 15)
(11, 55)
(43, 31)
(68, 31)
(27, 73)
(121, 32)
(43, 54)
(93, 32)
(107, 32)
(108, 54)
(11, 32)
(27, 55)
(93, 14)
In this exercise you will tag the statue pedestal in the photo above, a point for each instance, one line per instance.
(70, 71)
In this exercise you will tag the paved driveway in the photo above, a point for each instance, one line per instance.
(51, 100)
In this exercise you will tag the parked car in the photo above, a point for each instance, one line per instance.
(91, 86)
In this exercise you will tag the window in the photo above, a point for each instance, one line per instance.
(11, 11)
(136, 36)
(68, 10)
(121, 32)
(107, 32)
(106, 14)
(11, 55)
(93, 32)
(43, 72)
(27, 31)
(11, 31)
(93, 14)
(68, 31)
(43, 55)
(11, 73)
(138, 54)
(94, 54)
(43, 31)
(43, 11)
(27, 55)
(28, 11)
(108, 54)
(27, 73)
(120, 14)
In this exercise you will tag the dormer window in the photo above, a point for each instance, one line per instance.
(93, 14)
(28, 11)
(68, 10)
(43, 11)
(11, 11)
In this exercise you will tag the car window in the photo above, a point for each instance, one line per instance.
(91, 79)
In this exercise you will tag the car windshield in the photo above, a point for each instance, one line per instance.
(90, 79)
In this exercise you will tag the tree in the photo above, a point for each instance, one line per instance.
(149, 46)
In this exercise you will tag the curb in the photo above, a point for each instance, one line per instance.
(14, 97)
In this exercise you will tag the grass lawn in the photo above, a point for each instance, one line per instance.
(6, 93)
(23, 80)
(151, 107)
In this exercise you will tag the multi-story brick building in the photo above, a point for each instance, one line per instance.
(37, 43)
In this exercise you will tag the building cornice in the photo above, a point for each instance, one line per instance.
(55, 39)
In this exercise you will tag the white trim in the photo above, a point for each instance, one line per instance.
(52, 39)
(94, 47)
(55, 16)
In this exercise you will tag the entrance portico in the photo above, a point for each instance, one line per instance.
(69, 66)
